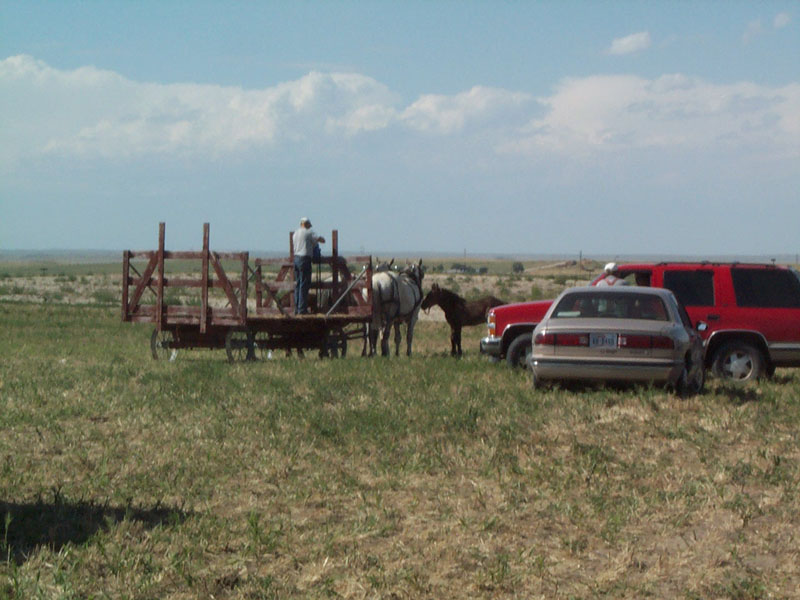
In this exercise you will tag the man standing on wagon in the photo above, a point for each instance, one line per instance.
(304, 241)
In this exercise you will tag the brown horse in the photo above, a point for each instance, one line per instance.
(458, 312)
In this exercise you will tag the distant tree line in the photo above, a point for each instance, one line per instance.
(467, 269)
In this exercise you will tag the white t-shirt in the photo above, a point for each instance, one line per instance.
(304, 240)
(611, 280)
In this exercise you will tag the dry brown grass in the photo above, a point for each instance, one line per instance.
(383, 478)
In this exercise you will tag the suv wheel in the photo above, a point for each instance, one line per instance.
(518, 351)
(739, 362)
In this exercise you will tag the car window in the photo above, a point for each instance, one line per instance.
(640, 278)
(691, 288)
(611, 306)
(766, 288)
(687, 322)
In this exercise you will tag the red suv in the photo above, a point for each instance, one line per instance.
(748, 314)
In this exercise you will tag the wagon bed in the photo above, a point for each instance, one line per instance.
(223, 313)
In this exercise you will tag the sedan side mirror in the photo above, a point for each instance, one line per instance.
(701, 326)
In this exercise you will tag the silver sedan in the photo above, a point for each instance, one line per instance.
(618, 334)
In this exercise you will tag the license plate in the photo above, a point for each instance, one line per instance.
(602, 340)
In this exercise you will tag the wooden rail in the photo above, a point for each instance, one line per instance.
(154, 279)
(269, 302)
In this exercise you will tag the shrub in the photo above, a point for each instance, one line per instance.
(105, 297)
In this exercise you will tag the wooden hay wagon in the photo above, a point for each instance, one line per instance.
(212, 306)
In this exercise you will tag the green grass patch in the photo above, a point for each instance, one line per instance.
(121, 476)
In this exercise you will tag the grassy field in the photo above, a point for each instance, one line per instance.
(88, 283)
(427, 477)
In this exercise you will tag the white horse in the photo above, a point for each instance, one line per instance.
(396, 299)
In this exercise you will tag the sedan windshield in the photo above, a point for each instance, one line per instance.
(611, 306)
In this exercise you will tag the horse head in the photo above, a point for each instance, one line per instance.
(431, 297)
(383, 266)
(415, 272)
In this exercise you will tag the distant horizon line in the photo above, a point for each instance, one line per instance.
(86, 254)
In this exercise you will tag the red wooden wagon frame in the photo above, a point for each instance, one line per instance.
(225, 316)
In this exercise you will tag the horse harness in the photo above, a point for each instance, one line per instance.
(413, 275)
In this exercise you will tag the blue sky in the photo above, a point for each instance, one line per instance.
(486, 127)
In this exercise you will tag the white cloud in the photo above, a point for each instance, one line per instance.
(636, 42)
(448, 114)
(781, 20)
(606, 114)
(757, 28)
(90, 113)
(754, 29)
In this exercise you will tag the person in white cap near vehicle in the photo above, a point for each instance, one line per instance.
(611, 276)
(304, 240)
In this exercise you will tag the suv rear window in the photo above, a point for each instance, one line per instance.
(766, 288)
(692, 288)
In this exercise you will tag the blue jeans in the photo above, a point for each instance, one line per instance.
(302, 283)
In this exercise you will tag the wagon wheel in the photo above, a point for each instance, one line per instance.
(262, 339)
(160, 345)
(335, 344)
(239, 345)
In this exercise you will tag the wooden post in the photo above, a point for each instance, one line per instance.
(259, 289)
(126, 257)
(160, 285)
(243, 293)
(291, 267)
(369, 285)
(335, 263)
(204, 288)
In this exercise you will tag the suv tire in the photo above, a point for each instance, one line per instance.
(518, 351)
(738, 362)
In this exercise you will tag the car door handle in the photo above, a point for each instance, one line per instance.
(713, 317)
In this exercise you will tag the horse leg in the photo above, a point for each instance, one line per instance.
(457, 333)
(398, 337)
(371, 335)
(385, 338)
(453, 341)
(370, 340)
(375, 330)
(410, 333)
